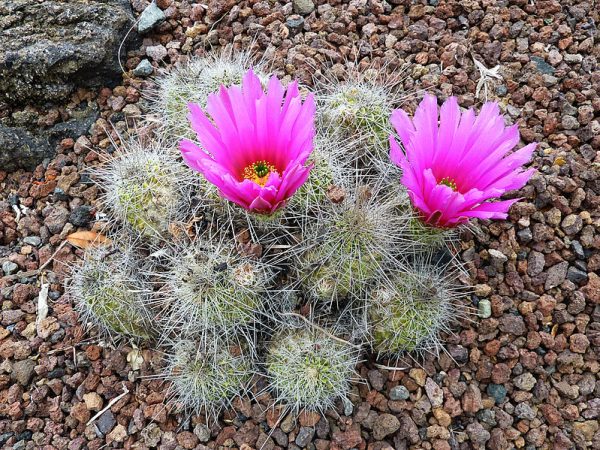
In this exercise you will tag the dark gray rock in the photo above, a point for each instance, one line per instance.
(5, 437)
(497, 391)
(556, 275)
(106, 422)
(542, 65)
(150, 18)
(81, 216)
(57, 219)
(305, 436)
(9, 267)
(576, 275)
(32, 240)
(524, 411)
(49, 48)
(143, 69)
(399, 393)
(22, 371)
(295, 23)
(21, 148)
(303, 7)
(202, 432)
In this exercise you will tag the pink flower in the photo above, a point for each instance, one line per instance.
(256, 146)
(453, 170)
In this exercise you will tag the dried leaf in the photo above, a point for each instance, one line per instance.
(135, 358)
(42, 305)
(336, 194)
(485, 75)
(85, 239)
(175, 230)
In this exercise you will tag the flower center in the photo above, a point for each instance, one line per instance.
(258, 172)
(448, 182)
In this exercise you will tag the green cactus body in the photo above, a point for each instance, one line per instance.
(108, 296)
(147, 198)
(426, 237)
(179, 92)
(208, 375)
(409, 316)
(360, 111)
(193, 83)
(314, 191)
(212, 291)
(403, 328)
(308, 369)
(344, 263)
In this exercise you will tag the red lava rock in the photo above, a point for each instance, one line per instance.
(578, 343)
(592, 289)
(42, 190)
(385, 425)
(348, 439)
(93, 352)
(225, 434)
(309, 418)
(80, 412)
(157, 413)
(471, 401)
(551, 414)
(187, 439)
(247, 434)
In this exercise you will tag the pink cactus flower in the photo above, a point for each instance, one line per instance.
(453, 170)
(256, 145)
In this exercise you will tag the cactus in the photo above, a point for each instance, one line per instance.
(350, 244)
(323, 175)
(146, 189)
(357, 110)
(307, 368)
(206, 376)
(194, 82)
(108, 294)
(408, 314)
(209, 289)
(426, 238)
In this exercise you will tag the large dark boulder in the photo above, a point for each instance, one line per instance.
(48, 48)
(21, 148)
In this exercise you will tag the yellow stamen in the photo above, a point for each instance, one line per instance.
(258, 172)
(448, 182)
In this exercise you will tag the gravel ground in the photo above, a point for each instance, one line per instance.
(525, 374)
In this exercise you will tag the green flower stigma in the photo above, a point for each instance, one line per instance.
(261, 168)
(447, 181)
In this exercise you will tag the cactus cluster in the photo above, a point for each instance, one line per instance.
(215, 285)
